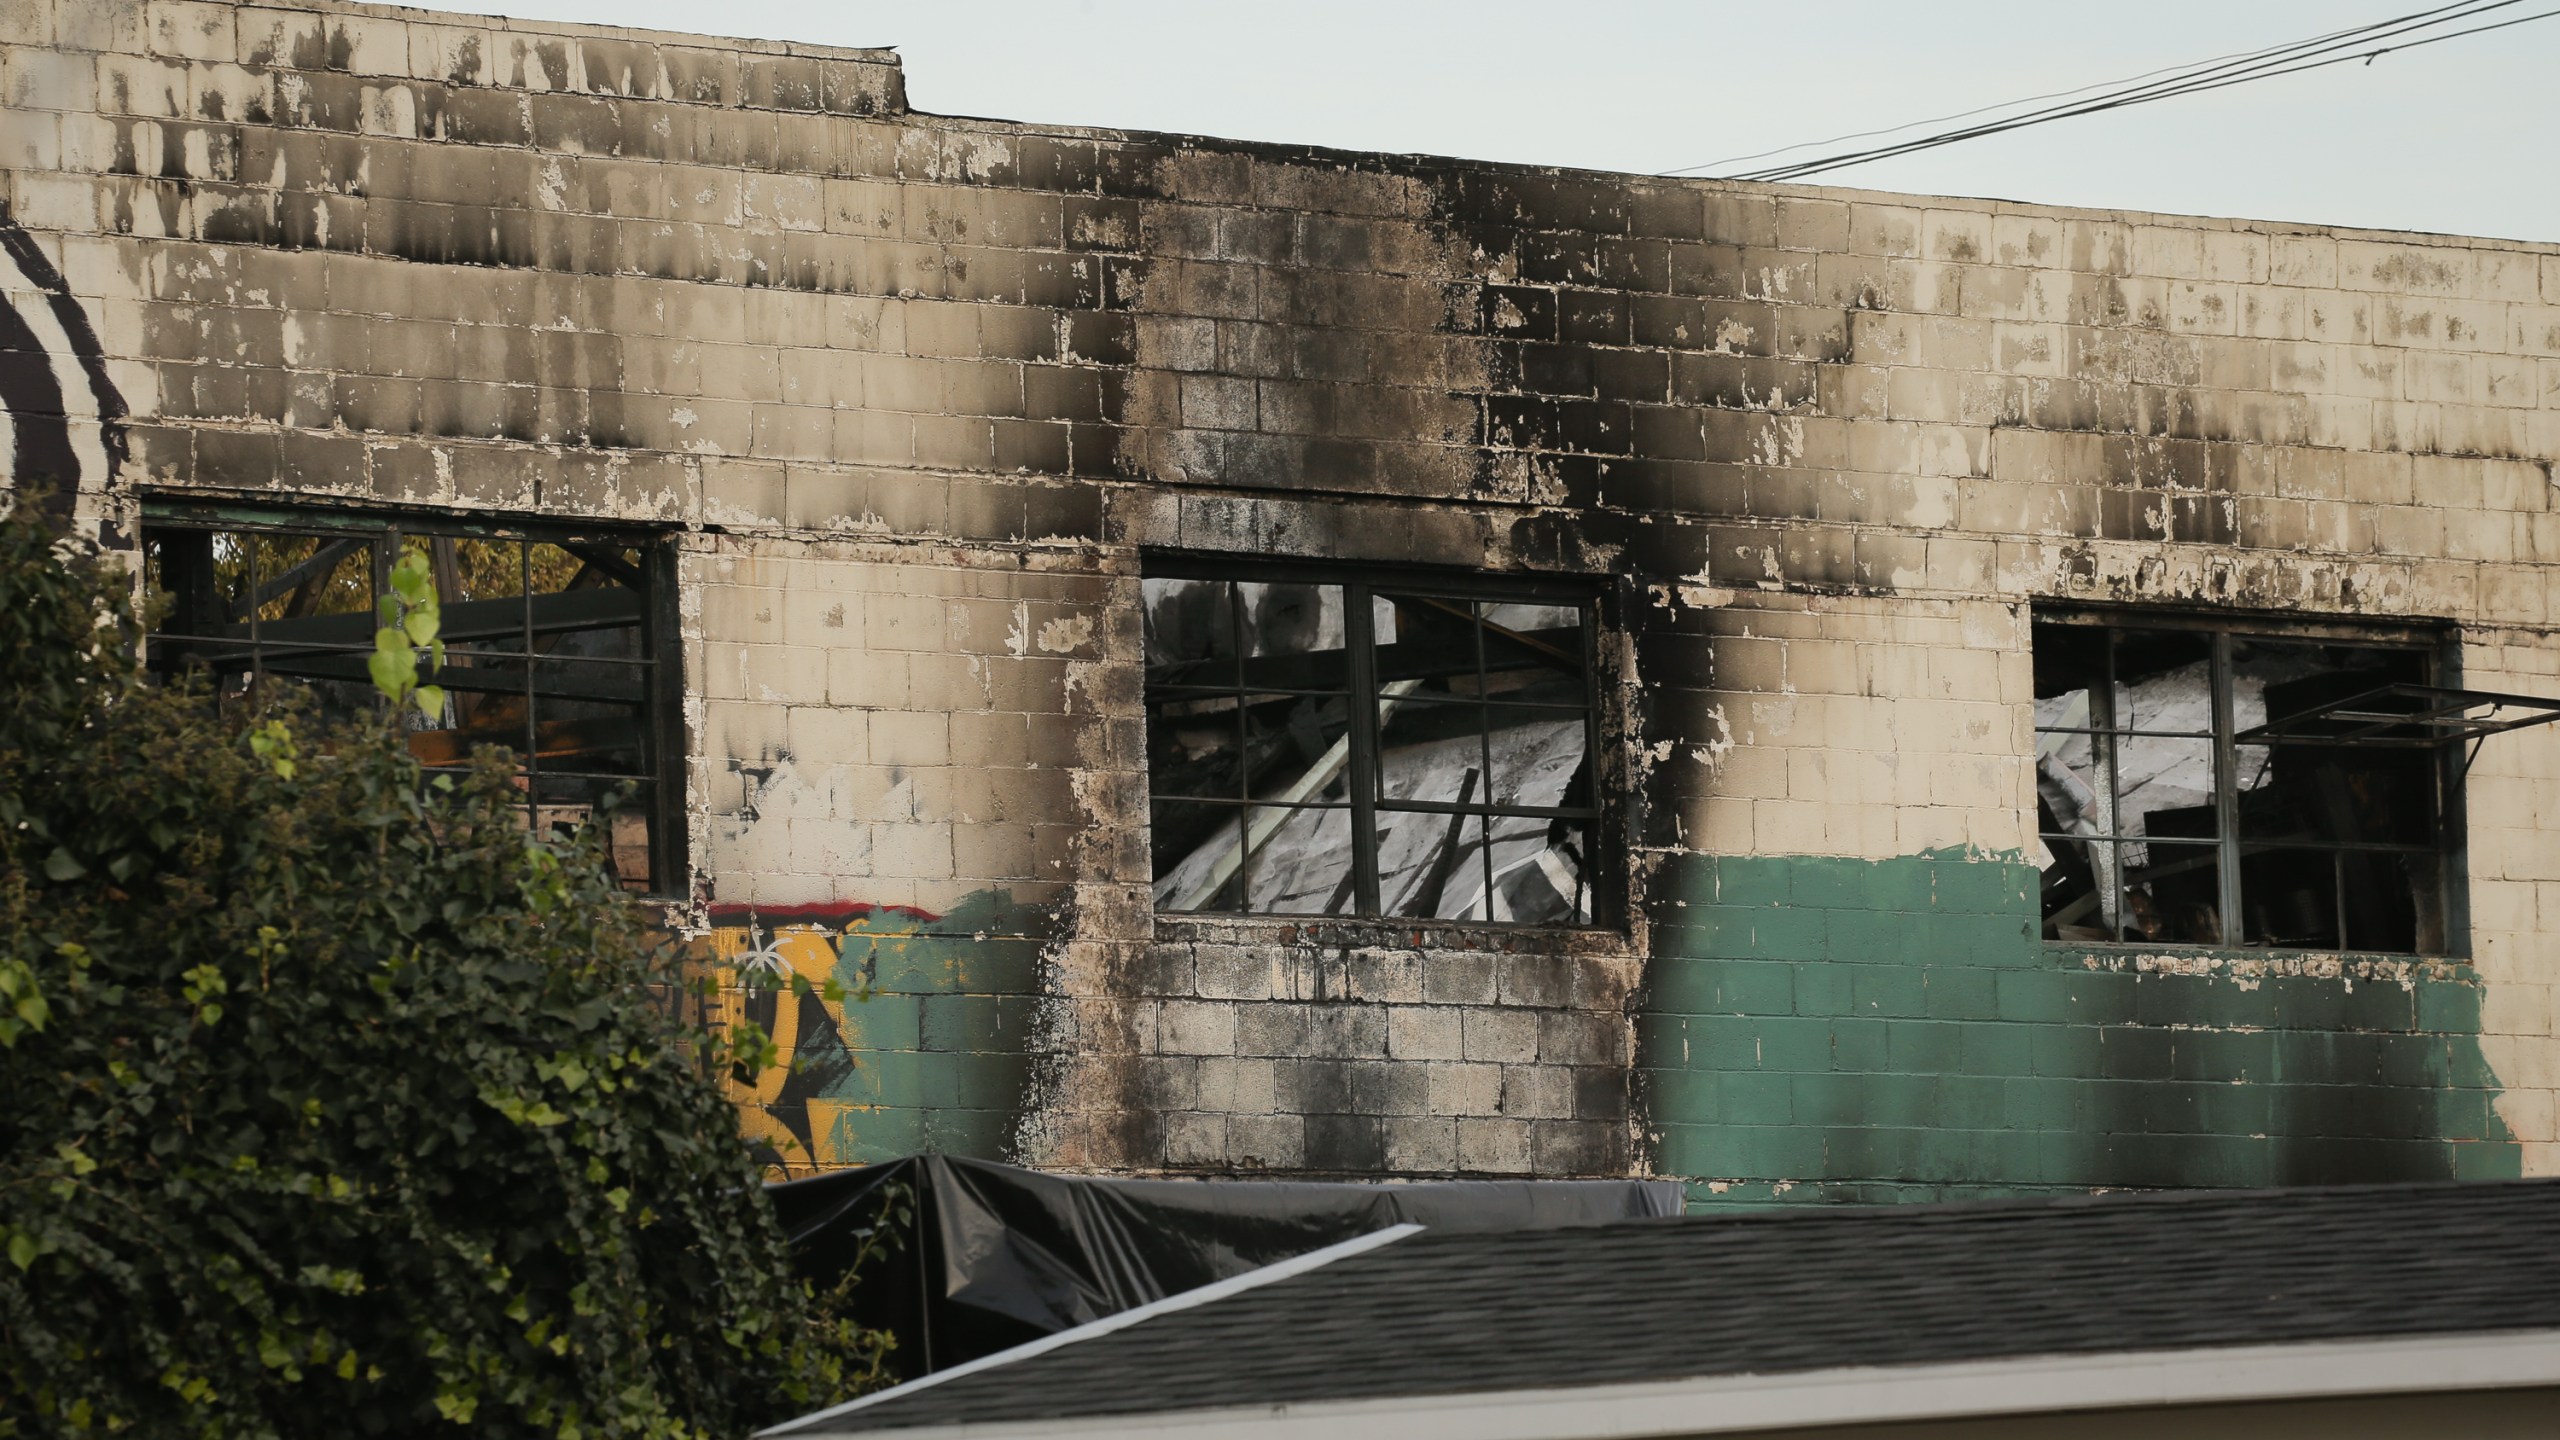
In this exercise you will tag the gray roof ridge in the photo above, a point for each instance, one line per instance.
(1188, 1299)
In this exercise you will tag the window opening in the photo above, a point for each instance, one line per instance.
(1326, 744)
(2214, 785)
(553, 650)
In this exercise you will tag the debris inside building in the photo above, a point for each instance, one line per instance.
(1245, 658)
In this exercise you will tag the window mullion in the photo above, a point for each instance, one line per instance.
(1584, 888)
(2103, 721)
(386, 553)
(2226, 788)
(257, 641)
(532, 712)
(1361, 730)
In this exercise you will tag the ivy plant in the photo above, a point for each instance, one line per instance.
(339, 1103)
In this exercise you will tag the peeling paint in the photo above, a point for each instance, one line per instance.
(918, 396)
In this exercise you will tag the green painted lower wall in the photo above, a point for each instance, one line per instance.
(1816, 1028)
(1811, 1028)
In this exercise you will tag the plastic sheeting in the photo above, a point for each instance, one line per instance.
(990, 1256)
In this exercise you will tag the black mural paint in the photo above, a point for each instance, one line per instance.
(38, 412)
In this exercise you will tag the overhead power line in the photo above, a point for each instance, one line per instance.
(2180, 68)
(2200, 75)
(2402, 34)
(2366, 43)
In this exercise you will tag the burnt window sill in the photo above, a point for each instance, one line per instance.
(2071, 952)
(1336, 932)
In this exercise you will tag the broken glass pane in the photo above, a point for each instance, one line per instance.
(1431, 866)
(2292, 898)
(1291, 620)
(1431, 647)
(1196, 746)
(2276, 680)
(2075, 774)
(2079, 887)
(2068, 658)
(1427, 747)
(2164, 682)
(246, 608)
(2172, 893)
(1199, 853)
(1191, 631)
(2342, 794)
(1301, 860)
(1538, 871)
(2164, 787)
(1539, 758)
(1296, 749)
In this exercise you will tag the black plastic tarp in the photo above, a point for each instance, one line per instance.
(991, 1256)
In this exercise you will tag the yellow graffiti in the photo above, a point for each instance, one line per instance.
(749, 964)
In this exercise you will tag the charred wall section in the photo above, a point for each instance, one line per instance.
(919, 395)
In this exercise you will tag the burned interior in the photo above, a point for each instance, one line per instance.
(2204, 782)
(1332, 743)
(1259, 658)
(553, 649)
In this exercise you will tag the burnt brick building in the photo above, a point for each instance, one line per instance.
(1269, 660)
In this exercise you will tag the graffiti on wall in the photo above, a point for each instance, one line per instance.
(918, 1044)
(60, 413)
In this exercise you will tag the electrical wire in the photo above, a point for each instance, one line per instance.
(2275, 64)
(2254, 65)
(1816, 167)
(2205, 72)
(2181, 68)
(2337, 48)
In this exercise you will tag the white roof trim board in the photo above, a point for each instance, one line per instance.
(815, 1424)
(1846, 1396)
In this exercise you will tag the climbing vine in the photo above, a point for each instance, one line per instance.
(339, 1104)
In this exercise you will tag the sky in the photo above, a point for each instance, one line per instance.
(2456, 137)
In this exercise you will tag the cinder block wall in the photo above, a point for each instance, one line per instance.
(915, 393)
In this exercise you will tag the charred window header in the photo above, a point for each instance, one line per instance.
(2208, 783)
(555, 648)
(1340, 743)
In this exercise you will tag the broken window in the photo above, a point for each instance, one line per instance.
(1334, 744)
(2210, 784)
(554, 650)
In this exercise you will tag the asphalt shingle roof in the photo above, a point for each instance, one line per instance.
(1653, 1300)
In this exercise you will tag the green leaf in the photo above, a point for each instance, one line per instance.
(394, 670)
(61, 866)
(413, 578)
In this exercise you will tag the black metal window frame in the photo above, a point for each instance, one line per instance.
(660, 664)
(2436, 649)
(1595, 598)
